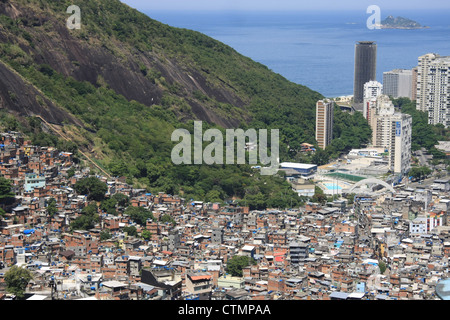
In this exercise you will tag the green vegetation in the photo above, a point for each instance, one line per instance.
(88, 218)
(51, 208)
(16, 279)
(350, 131)
(146, 234)
(133, 140)
(237, 263)
(130, 231)
(419, 173)
(109, 206)
(92, 187)
(319, 196)
(424, 135)
(382, 265)
(32, 129)
(139, 215)
(400, 23)
(166, 218)
(121, 199)
(6, 194)
(105, 235)
(345, 176)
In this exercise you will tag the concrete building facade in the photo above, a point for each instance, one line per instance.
(365, 69)
(398, 83)
(372, 90)
(324, 122)
(438, 89)
(422, 79)
(391, 130)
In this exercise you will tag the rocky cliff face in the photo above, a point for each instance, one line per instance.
(22, 98)
(124, 71)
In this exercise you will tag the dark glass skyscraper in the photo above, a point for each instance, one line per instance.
(365, 69)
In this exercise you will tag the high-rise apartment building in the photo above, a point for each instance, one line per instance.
(381, 124)
(400, 151)
(438, 91)
(422, 80)
(414, 72)
(372, 90)
(391, 130)
(324, 122)
(398, 83)
(433, 88)
(365, 69)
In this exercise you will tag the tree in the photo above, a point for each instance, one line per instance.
(419, 172)
(118, 168)
(382, 266)
(109, 206)
(70, 172)
(213, 196)
(139, 215)
(105, 235)
(92, 187)
(237, 263)
(131, 231)
(423, 134)
(121, 199)
(350, 197)
(320, 157)
(255, 201)
(88, 218)
(167, 218)
(6, 195)
(16, 279)
(319, 196)
(146, 234)
(51, 208)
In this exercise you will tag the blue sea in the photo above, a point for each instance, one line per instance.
(316, 48)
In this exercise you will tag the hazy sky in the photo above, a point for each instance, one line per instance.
(145, 5)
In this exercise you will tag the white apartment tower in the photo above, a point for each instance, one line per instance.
(438, 91)
(381, 122)
(372, 90)
(400, 151)
(324, 122)
(422, 80)
(398, 83)
(391, 130)
(433, 88)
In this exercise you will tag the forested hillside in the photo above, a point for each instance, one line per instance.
(121, 84)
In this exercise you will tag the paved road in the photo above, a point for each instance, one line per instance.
(422, 158)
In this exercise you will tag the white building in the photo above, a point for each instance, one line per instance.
(372, 90)
(438, 90)
(433, 88)
(398, 83)
(418, 226)
(400, 149)
(422, 79)
(368, 152)
(381, 122)
(391, 130)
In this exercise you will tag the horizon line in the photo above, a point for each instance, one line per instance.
(278, 10)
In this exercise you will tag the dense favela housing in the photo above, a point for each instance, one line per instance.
(376, 246)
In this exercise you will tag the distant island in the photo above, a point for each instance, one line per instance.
(400, 23)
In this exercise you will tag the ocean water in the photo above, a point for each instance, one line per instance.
(316, 49)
